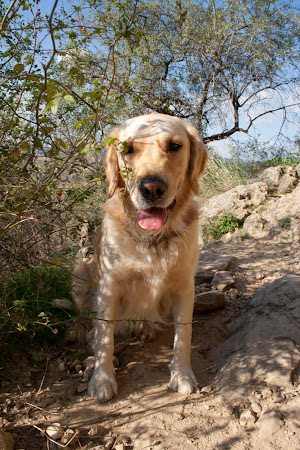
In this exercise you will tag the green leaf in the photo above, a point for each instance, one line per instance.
(69, 98)
(109, 141)
(25, 146)
(38, 142)
(54, 105)
(80, 79)
(19, 68)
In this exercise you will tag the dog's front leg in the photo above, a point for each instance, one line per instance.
(103, 384)
(182, 377)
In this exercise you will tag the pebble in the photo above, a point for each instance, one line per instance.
(61, 367)
(209, 301)
(82, 387)
(259, 276)
(223, 281)
(110, 443)
(69, 437)
(87, 374)
(256, 408)
(55, 431)
(247, 419)
(116, 362)
(89, 362)
(78, 367)
(206, 389)
(266, 393)
(75, 363)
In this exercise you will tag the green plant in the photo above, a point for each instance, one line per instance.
(279, 161)
(226, 223)
(285, 223)
(27, 309)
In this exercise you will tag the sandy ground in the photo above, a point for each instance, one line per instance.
(146, 415)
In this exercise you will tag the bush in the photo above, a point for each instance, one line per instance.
(226, 223)
(28, 309)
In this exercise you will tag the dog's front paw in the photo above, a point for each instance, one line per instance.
(183, 381)
(102, 386)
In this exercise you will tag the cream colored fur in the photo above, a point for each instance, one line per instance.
(141, 274)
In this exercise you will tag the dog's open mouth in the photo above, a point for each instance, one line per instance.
(153, 218)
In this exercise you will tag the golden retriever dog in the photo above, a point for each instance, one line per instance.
(146, 251)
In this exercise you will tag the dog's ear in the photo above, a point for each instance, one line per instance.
(198, 157)
(112, 168)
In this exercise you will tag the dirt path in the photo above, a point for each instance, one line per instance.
(146, 415)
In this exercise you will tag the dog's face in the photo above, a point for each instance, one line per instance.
(157, 160)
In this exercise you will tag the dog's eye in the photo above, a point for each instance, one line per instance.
(128, 149)
(174, 147)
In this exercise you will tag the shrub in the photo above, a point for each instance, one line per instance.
(28, 311)
(226, 223)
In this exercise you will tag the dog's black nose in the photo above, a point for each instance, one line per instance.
(152, 188)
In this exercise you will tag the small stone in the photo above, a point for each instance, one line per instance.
(75, 363)
(55, 431)
(6, 441)
(247, 419)
(209, 301)
(87, 374)
(82, 387)
(69, 437)
(259, 276)
(223, 281)
(206, 389)
(61, 367)
(78, 367)
(266, 393)
(256, 408)
(116, 362)
(229, 410)
(120, 446)
(89, 362)
(110, 443)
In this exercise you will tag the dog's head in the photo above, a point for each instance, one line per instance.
(157, 160)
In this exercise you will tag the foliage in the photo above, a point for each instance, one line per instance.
(223, 224)
(29, 309)
(224, 174)
(277, 161)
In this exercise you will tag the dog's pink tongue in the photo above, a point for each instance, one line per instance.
(152, 218)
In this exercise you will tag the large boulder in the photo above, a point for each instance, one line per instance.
(237, 201)
(263, 346)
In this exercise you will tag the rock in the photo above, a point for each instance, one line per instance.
(269, 423)
(63, 303)
(69, 437)
(55, 431)
(89, 362)
(137, 369)
(259, 276)
(209, 301)
(266, 393)
(61, 367)
(82, 387)
(87, 374)
(280, 208)
(210, 263)
(271, 176)
(116, 362)
(247, 419)
(288, 181)
(75, 363)
(206, 389)
(6, 441)
(263, 344)
(78, 367)
(256, 408)
(110, 443)
(254, 226)
(223, 281)
(236, 201)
